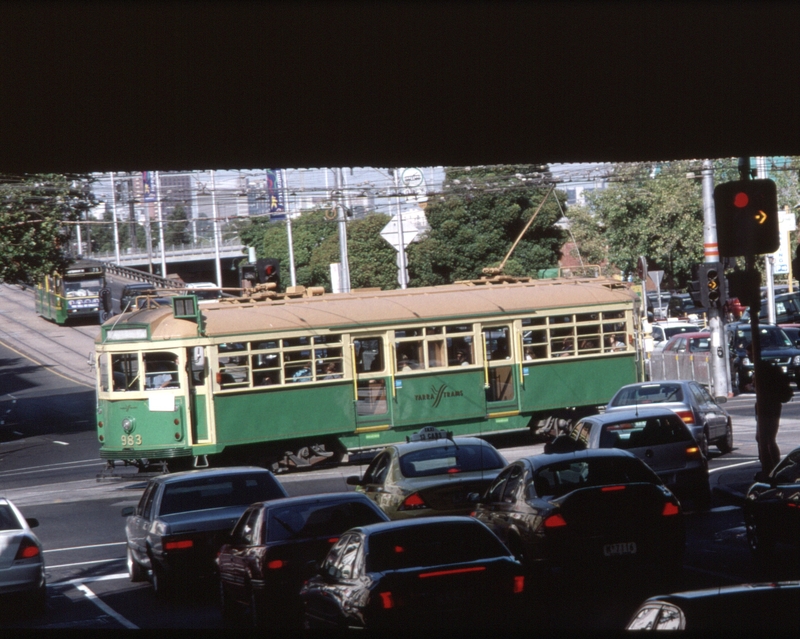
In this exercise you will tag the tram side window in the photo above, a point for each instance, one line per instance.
(534, 340)
(161, 371)
(369, 355)
(459, 345)
(328, 362)
(266, 362)
(125, 371)
(233, 369)
(297, 365)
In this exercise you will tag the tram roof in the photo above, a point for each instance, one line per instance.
(364, 309)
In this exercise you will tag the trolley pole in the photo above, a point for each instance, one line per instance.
(720, 377)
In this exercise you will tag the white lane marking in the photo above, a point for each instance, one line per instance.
(46, 469)
(105, 607)
(747, 463)
(55, 441)
(86, 563)
(88, 580)
(114, 543)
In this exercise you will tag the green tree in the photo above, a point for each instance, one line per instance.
(176, 227)
(477, 219)
(37, 214)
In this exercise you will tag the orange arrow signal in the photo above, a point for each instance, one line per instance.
(761, 217)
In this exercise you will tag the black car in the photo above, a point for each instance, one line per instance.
(749, 608)
(787, 309)
(266, 560)
(429, 573)
(772, 509)
(589, 509)
(776, 348)
(131, 291)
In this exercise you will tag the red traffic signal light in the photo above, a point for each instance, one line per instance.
(747, 218)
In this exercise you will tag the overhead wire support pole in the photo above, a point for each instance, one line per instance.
(116, 221)
(161, 226)
(216, 230)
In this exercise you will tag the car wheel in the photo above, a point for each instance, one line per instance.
(256, 615)
(725, 444)
(761, 544)
(702, 442)
(162, 585)
(38, 603)
(135, 570)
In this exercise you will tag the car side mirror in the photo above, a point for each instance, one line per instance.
(721, 399)
(475, 498)
(354, 480)
(128, 511)
(32, 522)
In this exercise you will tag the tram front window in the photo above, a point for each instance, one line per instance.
(161, 371)
(83, 287)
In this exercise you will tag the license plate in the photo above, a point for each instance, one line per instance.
(614, 550)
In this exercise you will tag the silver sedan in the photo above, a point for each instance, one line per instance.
(21, 560)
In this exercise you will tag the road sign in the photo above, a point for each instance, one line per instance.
(414, 222)
(413, 186)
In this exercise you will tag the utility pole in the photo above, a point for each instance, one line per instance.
(116, 221)
(344, 272)
(720, 376)
(160, 226)
(216, 230)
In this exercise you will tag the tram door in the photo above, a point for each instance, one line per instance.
(198, 404)
(372, 391)
(501, 395)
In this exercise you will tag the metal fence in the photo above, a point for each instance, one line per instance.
(695, 366)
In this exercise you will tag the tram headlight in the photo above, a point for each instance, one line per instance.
(127, 425)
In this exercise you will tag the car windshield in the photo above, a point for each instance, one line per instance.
(563, 477)
(8, 519)
(219, 492)
(449, 458)
(677, 330)
(431, 545)
(771, 337)
(648, 394)
(650, 431)
(307, 521)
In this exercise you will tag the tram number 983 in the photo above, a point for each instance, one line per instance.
(131, 440)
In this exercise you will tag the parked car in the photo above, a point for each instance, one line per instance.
(699, 342)
(776, 348)
(708, 421)
(419, 574)
(21, 560)
(204, 290)
(771, 509)
(429, 476)
(183, 519)
(787, 309)
(663, 331)
(131, 291)
(657, 436)
(585, 509)
(264, 564)
(754, 609)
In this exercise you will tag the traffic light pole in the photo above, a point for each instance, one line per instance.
(720, 365)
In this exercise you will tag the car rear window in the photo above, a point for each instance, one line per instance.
(8, 520)
(449, 459)
(649, 394)
(307, 521)
(219, 492)
(652, 431)
(563, 477)
(432, 545)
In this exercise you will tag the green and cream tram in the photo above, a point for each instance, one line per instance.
(75, 293)
(293, 381)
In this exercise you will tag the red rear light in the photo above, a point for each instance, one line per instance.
(670, 509)
(453, 470)
(275, 564)
(452, 571)
(519, 584)
(686, 415)
(27, 549)
(333, 540)
(183, 544)
(554, 521)
(387, 600)
(608, 489)
(413, 502)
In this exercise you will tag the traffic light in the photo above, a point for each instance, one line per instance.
(268, 270)
(746, 286)
(695, 291)
(714, 280)
(747, 217)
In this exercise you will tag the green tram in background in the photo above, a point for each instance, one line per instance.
(78, 292)
(309, 377)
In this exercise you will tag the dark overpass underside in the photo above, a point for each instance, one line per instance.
(97, 86)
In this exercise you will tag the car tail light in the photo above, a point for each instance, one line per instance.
(451, 571)
(413, 502)
(182, 544)
(387, 601)
(519, 584)
(554, 521)
(610, 489)
(332, 540)
(670, 509)
(686, 415)
(276, 564)
(693, 452)
(27, 549)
